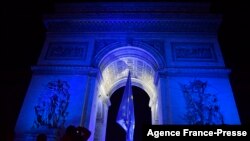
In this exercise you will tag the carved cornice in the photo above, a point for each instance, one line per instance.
(77, 70)
(178, 71)
(133, 26)
(192, 72)
(114, 7)
(132, 17)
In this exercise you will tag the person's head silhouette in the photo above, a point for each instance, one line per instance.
(41, 137)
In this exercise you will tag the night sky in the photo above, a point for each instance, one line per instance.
(23, 35)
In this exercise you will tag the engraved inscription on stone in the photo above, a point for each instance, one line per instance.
(190, 51)
(67, 50)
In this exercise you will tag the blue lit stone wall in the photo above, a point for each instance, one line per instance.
(217, 87)
(191, 59)
(39, 94)
(67, 49)
(51, 106)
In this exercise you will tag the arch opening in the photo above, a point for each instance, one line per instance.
(114, 67)
(141, 109)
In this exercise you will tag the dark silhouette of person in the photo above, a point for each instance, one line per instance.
(41, 137)
(73, 133)
(69, 133)
(83, 134)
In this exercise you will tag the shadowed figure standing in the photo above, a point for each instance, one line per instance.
(41, 137)
(73, 133)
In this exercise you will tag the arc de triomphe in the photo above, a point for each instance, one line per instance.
(171, 50)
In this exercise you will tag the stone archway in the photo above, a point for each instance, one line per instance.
(114, 68)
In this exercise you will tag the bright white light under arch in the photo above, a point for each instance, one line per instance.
(116, 72)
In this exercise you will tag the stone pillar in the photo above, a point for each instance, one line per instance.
(90, 106)
(90, 97)
(164, 103)
(154, 112)
(101, 118)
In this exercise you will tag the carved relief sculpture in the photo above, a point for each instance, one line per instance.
(51, 110)
(202, 107)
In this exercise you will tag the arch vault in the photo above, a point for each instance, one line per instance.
(114, 68)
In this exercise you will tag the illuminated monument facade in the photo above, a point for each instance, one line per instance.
(171, 50)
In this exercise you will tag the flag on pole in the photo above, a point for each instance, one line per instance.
(125, 116)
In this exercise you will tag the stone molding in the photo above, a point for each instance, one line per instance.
(78, 70)
(147, 25)
(192, 72)
(126, 17)
(105, 7)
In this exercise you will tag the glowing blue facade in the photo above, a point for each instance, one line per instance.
(171, 50)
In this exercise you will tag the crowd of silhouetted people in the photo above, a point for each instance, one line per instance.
(72, 133)
(41, 137)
